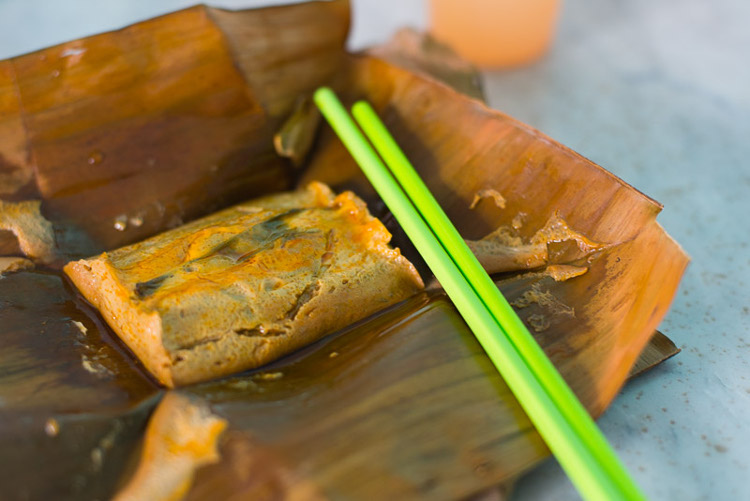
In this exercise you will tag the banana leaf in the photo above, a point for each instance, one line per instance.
(125, 134)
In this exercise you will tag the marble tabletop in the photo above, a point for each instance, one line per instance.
(659, 94)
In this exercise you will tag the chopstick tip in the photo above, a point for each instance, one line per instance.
(323, 92)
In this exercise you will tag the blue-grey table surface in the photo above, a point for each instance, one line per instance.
(657, 92)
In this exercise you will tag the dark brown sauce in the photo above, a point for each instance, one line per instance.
(73, 404)
(49, 363)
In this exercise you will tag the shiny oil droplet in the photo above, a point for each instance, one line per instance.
(97, 457)
(121, 222)
(95, 157)
(136, 221)
(56, 73)
(52, 427)
(72, 51)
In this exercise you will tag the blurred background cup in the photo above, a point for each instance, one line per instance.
(495, 33)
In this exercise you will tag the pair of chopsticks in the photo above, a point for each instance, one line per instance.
(561, 420)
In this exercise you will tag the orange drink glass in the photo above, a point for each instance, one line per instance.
(495, 33)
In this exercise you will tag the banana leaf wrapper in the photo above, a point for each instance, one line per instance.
(127, 133)
(404, 403)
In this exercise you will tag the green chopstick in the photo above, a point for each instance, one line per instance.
(593, 479)
(488, 292)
